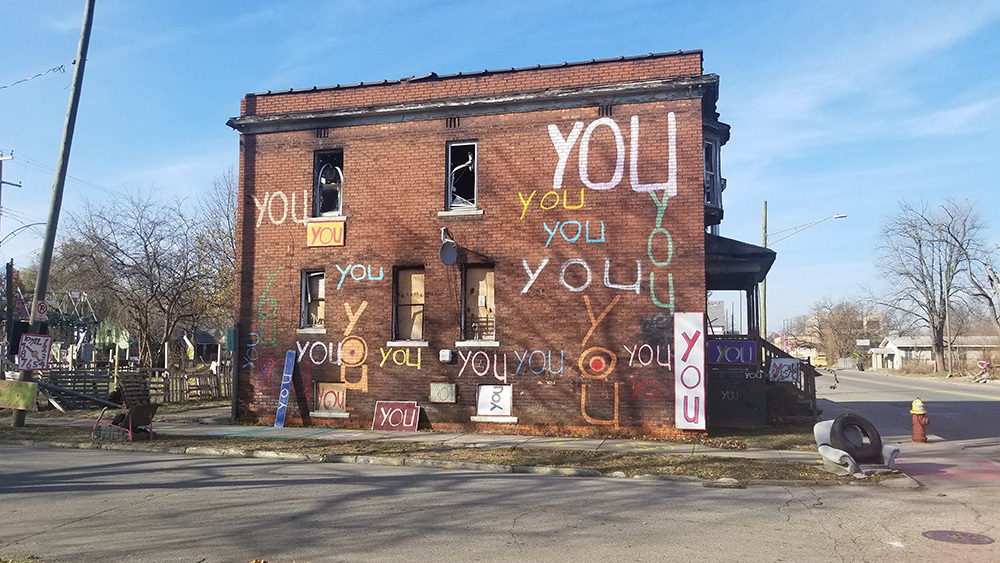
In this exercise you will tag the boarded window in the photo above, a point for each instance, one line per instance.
(410, 304)
(479, 306)
(313, 290)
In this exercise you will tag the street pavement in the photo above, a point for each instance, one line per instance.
(87, 505)
(963, 438)
(82, 505)
(215, 422)
(940, 464)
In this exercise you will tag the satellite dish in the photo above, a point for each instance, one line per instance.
(448, 252)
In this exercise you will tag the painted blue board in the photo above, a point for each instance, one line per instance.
(286, 389)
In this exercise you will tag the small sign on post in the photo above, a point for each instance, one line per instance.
(42, 311)
(33, 354)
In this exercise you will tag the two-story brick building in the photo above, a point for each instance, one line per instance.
(513, 250)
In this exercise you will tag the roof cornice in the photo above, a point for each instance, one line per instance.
(560, 98)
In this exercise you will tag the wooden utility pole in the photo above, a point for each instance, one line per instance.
(57, 187)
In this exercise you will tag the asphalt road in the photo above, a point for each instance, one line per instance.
(963, 447)
(82, 505)
(958, 408)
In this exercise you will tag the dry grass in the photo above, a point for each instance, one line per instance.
(631, 464)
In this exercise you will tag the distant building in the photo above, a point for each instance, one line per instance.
(916, 353)
(509, 249)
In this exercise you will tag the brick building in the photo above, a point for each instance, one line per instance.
(510, 249)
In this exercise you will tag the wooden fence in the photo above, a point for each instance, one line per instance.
(163, 387)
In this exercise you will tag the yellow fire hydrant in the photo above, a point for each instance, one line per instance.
(920, 420)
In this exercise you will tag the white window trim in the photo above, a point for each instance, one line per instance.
(327, 218)
(407, 344)
(494, 419)
(461, 212)
(477, 343)
(324, 414)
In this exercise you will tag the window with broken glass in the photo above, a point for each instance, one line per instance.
(328, 188)
(313, 290)
(462, 175)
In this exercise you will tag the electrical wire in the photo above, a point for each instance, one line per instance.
(60, 68)
(39, 166)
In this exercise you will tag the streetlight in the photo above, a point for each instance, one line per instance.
(18, 230)
(786, 233)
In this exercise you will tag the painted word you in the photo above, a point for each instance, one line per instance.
(359, 272)
(564, 146)
(536, 361)
(582, 264)
(575, 230)
(400, 357)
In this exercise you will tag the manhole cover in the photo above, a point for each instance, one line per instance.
(958, 537)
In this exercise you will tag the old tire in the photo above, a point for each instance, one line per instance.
(867, 452)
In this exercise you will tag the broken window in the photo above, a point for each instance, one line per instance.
(409, 304)
(329, 182)
(313, 290)
(462, 174)
(479, 318)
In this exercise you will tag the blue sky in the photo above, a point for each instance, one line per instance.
(835, 107)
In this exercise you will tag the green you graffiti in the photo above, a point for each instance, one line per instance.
(273, 312)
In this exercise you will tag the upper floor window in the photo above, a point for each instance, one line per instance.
(409, 296)
(328, 189)
(462, 175)
(478, 305)
(313, 312)
(713, 185)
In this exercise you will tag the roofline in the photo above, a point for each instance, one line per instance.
(434, 76)
(518, 102)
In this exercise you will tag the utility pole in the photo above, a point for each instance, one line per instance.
(3, 158)
(9, 291)
(57, 187)
(763, 282)
(9, 313)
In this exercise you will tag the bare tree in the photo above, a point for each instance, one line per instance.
(964, 231)
(837, 327)
(143, 255)
(216, 242)
(921, 265)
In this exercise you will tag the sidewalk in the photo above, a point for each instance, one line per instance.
(215, 422)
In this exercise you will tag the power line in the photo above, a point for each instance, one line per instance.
(60, 68)
(39, 166)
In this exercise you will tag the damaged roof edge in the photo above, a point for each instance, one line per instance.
(436, 76)
(638, 92)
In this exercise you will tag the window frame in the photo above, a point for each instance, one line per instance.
(398, 273)
(712, 174)
(450, 167)
(305, 300)
(319, 157)
(467, 336)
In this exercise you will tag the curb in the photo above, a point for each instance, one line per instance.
(903, 482)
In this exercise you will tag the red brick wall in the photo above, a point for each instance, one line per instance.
(394, 189)
(656, 67)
